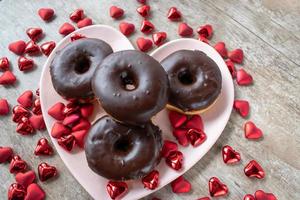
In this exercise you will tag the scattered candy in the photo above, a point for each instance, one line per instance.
(86, 110)
(253, 169)
(236, 56)
(142, 1)
(116, 12)
(58, 130)
(174, 160)
(17, 165)
(71, 108)
(67, 142)
(5, 154)
(7, 78)
(24, 127)
(168, 147)
(243, 78)
(47, 47)
(151, 180)
(231, 68)
(261, 195)
(4, 107)
(37, 110)
(19, 112)
(77, 15)
(203, 39)
(25, 179)
(174, 14)
(195, 122)
(84, 22)
(143, 10)
(46, 13)
(205, 31)
(181, 136)
(79, 137)
(177, 119)
(249, 197)
(25, 64)
(251, 131)
(32, 48)
(34, 33)
(66, 28)
(242, 107)
(46, 171)
(25, 99)
(181, 185)
(220, 47)
(144, 44)
(184, 30)
(56, 111)
(71, 119)
(16, 191)
(35, 192)
(76, 36)
(17, 47)
(4, 63)
(230, 156)
(116, 189)
(83, 124)
(216, 187)
(159, 38)
(196, 137)
(147, 27)
(43, 148)
(126, 28)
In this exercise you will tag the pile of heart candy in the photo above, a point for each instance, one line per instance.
(72, 119)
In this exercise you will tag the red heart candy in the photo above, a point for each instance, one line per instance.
(35, 192)
(251, 131)
(168, 147)
(184, 30)
(46, 171)
(181, 136)
(4, 63)
(195, 122)
(67, 142)
(253, 169)
(17, 47)
(37, 107)
(181, 185)
(25, 99)
(25, 179)
(56, 111)
(144, 44)
(71, 108)
(86, 110)
(150, 181)
(76, 36)
(249, 197)
(43, 148)
(80, 137)
(19, 112)
(34, 33)
(236, 56)
(177, 119)
(174, 14)
(143, 10)
(84, 22)
(231, 68)
(159, 38)
(204, 198)
(243, 78)
(25, 64)
(196, 137)
(66, 28)
(7, 78)
(220, 47)
(5, 154)
(17, 164)
(83, 124)
(230, 156)
(47, 47)
(37, 122)
(58, 130)
(46, 13)
(77, 15)
(116, 12)
(142, 1)
(71, 119)
(205, 31)
(32, 48)
(242, 107)
(16, 191)
(24, 127)
(4, 107)
(203, 39)
(116, 189)
(261, 195)
(147, 27)
(174, 160)
(216, 187)
(126, 28)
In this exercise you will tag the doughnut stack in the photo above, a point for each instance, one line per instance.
(132, 88)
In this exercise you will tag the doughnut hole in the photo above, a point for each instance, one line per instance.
(185, 77)
(82, 64)
(128, 81)
(123, 145)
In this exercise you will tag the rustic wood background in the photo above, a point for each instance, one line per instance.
(269, 33)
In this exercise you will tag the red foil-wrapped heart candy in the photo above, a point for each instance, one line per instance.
(46, 171)
(116, 189)
(150, 181)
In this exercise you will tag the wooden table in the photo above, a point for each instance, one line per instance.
(269, 33)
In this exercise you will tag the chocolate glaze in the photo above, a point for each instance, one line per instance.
(131, 86)
(195, 80)
(122, 152)
(73, 67)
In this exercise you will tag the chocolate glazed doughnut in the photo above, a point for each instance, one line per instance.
(122, 152)
(195, 81)
(131, 86)
(73, 67)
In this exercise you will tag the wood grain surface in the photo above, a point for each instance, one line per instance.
(269, 33)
